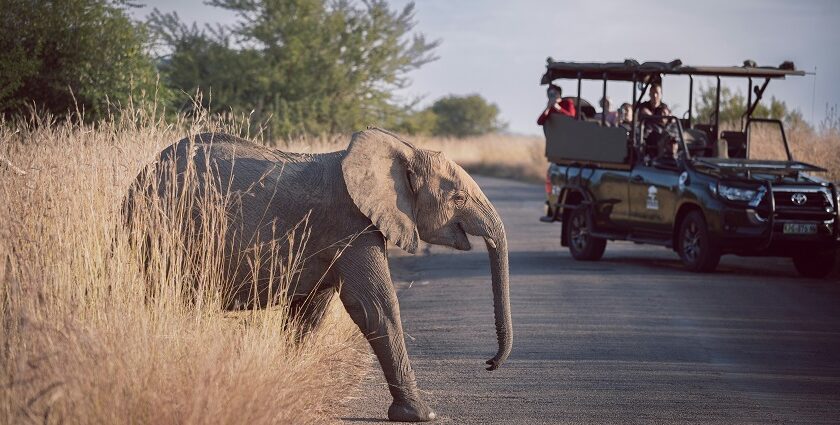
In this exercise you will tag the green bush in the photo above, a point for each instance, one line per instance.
(463, 116)
(60, 55)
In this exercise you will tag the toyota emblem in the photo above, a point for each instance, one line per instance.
(799, 198)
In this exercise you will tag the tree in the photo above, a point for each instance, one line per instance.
(733, 106)
(304, 66)
(62, 54)
(462, 116)
(230, 79)
(417, 122)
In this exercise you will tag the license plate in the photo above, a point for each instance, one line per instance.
(800, 228)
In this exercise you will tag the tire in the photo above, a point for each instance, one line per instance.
(815, 265)
(582, 245)
(697, 249)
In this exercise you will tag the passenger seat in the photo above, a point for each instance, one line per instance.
(736, 142)
(697, 142)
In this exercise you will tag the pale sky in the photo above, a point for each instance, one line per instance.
(497, 48)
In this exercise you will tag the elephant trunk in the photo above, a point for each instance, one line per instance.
(497, 249)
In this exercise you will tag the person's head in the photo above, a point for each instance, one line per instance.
(553, 92)
(656, 93)
(625, 113)
(605, 103)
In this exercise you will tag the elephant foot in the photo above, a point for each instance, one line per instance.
(415, 411)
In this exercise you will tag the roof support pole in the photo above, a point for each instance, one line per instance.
(633, 109)
(641, 95)
(717, 111)
(749, 101)
(577, 106)
(604, 100)
(758, 93)
(690, 94)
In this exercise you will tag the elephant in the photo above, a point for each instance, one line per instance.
(380, 189)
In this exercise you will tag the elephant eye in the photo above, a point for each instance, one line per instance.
(460, 199)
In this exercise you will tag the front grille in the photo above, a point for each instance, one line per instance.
(813, 200)
(817, 206)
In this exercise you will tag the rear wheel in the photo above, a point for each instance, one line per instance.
(698, 251)
(582, 245)
(815, 264)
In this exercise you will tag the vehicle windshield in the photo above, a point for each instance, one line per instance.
(766, 141)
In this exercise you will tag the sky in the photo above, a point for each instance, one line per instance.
(498, 48)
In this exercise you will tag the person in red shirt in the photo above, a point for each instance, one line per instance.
(556, 104)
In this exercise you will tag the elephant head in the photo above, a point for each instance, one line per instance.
(413, 194)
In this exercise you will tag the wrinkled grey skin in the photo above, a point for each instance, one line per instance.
(381, 188)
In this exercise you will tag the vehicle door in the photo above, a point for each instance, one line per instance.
(653, 191)
(611, 192)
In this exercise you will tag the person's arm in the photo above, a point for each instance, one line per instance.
(567, 107)
(551, 108)
(664, 112)
(544, 116)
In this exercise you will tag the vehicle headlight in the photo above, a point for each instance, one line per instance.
(735, 193)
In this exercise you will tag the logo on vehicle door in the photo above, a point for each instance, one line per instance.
(652, 203)
(799, 198)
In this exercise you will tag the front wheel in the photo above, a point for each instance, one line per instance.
(697, 249)
(582, 245)
(816, 265)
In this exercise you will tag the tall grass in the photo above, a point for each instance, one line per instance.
(98, 327)
(821, 148)
(523, 157)
(500, 155)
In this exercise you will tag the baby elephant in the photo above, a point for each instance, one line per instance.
(381, 188)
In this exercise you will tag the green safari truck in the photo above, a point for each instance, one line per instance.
(688, 186)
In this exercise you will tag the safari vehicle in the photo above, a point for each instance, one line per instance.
(704, 197)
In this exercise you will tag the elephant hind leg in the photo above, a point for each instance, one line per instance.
(308, 313)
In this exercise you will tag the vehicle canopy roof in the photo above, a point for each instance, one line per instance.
(631, 70)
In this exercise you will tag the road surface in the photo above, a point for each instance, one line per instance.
(633, 338)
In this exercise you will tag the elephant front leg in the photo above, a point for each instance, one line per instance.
(368, 295)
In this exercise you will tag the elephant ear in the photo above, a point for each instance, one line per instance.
(376, 171)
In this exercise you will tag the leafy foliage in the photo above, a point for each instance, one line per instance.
(62, 54)
(733, 106)
(422, 122)
(298, 66)
(464, 116)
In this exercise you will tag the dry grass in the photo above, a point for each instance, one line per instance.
(498, 155)
(818, 148)
(522, 157)
(81, 342)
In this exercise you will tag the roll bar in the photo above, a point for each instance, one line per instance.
(649, 72)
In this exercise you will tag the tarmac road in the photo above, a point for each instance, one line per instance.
(633, 338)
